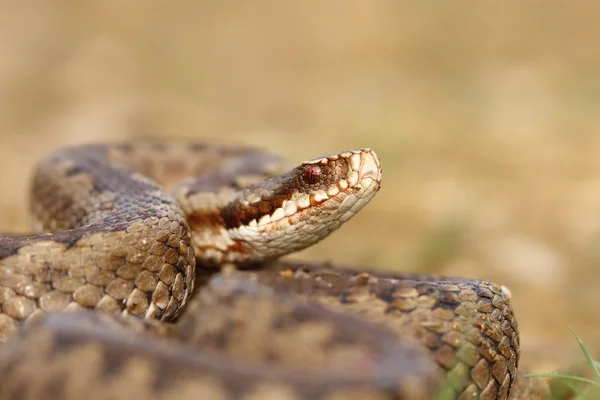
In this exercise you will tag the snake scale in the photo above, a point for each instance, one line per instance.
(153, 273)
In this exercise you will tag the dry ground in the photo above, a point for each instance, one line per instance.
(485, 116)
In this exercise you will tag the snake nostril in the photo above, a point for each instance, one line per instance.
(311, 174)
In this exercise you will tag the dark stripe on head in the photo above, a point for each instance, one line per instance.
(237, 214)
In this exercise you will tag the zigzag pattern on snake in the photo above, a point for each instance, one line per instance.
(152, 273)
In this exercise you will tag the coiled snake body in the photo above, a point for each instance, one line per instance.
(140, 230)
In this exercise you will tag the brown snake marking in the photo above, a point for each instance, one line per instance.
(120, 243)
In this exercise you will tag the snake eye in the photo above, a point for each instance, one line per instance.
(311, 174)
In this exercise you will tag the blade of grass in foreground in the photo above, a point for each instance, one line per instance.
(572, 380)
(588, 357)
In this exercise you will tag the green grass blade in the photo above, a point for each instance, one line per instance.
(572, 378)
(588, 357)
(576, 389)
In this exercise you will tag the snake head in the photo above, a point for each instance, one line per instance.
(292, 211)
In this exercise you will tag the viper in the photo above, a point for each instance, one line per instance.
(153, 272)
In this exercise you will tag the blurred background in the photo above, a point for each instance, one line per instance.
(485, 116)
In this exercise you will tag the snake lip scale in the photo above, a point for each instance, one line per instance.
(152, 272)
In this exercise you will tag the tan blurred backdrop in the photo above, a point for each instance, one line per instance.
(485, 116)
